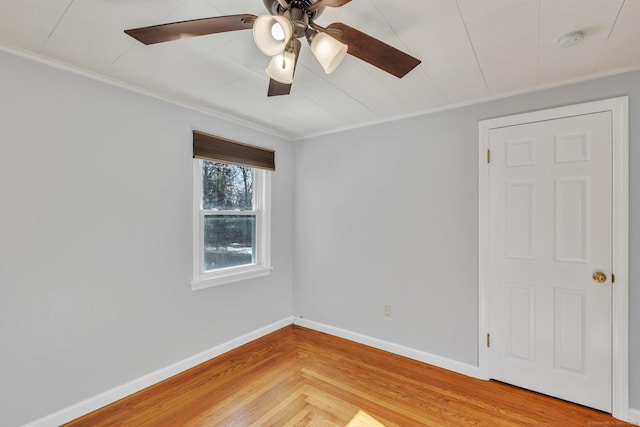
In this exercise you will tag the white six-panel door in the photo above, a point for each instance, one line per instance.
(550, 230)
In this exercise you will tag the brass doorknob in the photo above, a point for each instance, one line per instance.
(599, 277)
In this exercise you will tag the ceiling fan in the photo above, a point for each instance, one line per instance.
(277, 36)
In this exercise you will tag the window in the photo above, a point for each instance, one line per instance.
(231, 216)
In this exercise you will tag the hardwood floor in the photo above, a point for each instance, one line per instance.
(299, 377)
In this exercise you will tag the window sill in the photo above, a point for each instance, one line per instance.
(230, 275)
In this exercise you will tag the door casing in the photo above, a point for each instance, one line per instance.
(619, 108)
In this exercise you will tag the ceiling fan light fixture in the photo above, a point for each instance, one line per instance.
(328, 51)
(272, 33)
(281, 67)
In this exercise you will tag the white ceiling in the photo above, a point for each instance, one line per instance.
(470, 50)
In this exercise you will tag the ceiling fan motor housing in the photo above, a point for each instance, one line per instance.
(296, 11)
(299, 19)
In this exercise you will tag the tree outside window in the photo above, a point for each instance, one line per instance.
(229, 215)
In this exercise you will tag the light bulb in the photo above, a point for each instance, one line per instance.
(277, 31)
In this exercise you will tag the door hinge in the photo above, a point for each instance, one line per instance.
(613, 278)
(488, 156)
(488, 340)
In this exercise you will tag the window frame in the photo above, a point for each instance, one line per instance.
(262, 210)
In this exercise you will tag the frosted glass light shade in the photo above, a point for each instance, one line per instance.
(281, 67)
(272, 33)
(328, 51)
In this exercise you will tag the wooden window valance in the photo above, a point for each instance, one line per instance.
(211, 147)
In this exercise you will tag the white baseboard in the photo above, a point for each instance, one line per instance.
(421, 356)
(96, 402)
(91, 404)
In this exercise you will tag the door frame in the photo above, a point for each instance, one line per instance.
(619, 107)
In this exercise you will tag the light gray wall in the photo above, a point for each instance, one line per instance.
(95, 234)
(95, 240)
(388, 215)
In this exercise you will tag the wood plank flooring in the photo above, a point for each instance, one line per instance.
(299, 377)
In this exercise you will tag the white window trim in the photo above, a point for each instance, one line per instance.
(262, 266)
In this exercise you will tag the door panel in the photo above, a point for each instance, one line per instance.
(550, 195)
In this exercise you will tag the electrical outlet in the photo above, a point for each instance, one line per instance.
(387, 310)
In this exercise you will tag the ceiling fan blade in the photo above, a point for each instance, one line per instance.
(322, 3)
(373, 51)
(275, 87)
(195, 27)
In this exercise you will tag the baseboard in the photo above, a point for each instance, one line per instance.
(421, 356)
(96, 402)
(79, 409)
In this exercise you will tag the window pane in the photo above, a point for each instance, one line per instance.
(229, 241)
(226, 187)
